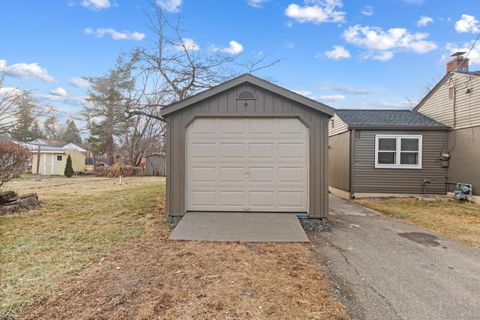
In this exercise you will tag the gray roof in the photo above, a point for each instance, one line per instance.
(388, 119)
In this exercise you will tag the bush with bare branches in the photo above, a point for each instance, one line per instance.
(13, 159)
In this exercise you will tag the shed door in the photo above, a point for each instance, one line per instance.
(247, 164)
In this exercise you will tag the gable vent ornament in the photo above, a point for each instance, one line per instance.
(246, 95)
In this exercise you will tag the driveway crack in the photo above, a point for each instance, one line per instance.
(365, 284)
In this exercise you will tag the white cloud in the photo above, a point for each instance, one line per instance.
(316, 11)
(381, 44)
(26, 71)
(59, 92)
(188, 44)
(424, 21)
(9, 92)
(80, 82)
(96, 4)
(71, 100)
(256, 3)
(337, 53)
(233, 48)
(474, 55)
(309, 94)
(329, 98)
(170, 5)
(467, 23)
(346, 89)
(368, 11)
(116, 35)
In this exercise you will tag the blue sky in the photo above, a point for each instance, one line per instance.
(348, 54)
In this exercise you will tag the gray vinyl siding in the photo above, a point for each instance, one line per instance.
(368, 179)
(467, 105)
(267, 104)
(337, 126)
(464, 146)
(339, 161)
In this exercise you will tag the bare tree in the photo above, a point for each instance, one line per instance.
(174, 68)
(13, 159)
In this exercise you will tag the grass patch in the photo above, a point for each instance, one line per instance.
(456, 220)
(79, 221)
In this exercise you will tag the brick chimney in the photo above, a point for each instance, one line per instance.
(458, 63)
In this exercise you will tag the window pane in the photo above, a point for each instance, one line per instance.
(386, 157)
(409, 158)
(409, 144)
(385, 144)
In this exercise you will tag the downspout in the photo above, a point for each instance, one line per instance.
(351, 162)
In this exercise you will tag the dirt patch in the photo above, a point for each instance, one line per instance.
(422, 238)
(154, 278)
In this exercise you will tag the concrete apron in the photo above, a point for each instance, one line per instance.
(239, 227)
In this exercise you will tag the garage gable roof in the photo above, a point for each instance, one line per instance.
(248, 78)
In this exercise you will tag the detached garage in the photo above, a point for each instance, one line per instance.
(247, 145)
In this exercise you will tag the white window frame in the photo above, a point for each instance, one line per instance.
(397, 164)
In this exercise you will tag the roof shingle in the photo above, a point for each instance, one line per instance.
(388, 119)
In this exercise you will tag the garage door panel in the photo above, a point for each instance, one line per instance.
(229, 150)
(232, 174)
(290, 199)
(246, 164)
(261, 174)
(202, 198)
(261, 150)
(203, 150)
(203, 174)
(232, 198)
(291, 150)
(261, 126)
(291, 174)
(261, 200)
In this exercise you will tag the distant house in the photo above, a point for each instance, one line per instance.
(53, 156)
(64, 145)
(455, 101)
(386, 152)
(54, 159)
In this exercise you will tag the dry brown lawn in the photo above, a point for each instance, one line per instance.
(455, 220)
(146, 276)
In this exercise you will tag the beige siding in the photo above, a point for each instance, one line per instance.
(50, 165)
(339, 161)
(336, 126)
(368, 179)
(266, 104)
(467, 105)
(464, 146)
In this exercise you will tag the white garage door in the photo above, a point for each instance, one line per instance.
(247, 164)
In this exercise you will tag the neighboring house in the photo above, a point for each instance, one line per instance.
(386, 152)
(64, 145)
(247, 145)
(54, 159)
(455, 101)
(155, 165)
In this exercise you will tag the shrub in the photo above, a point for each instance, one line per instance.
(69, 168)
(13, 159)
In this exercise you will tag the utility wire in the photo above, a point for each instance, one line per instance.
(471, 48)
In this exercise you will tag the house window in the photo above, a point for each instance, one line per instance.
(451, 93)
(402, 152)
(59, 158)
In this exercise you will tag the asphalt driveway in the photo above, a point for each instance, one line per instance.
(388, 269)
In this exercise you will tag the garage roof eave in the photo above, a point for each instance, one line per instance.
(248, 78)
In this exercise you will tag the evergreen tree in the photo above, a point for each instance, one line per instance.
(69, 168)
(23, 129)
(36, 131)
(71, 133)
